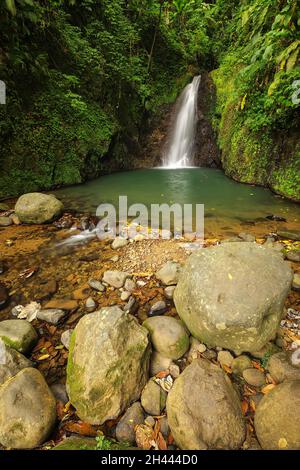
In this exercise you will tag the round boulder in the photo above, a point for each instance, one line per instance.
(27, 410)
(38, 208)
(108, 364)
(277, 418)
(168, 335)
(203, 409)
(233, 295)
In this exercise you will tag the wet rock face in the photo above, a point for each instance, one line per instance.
(204, 410)
(38, 208)
(227, 297)
(277, 418)
(27, 410)
(108, 364)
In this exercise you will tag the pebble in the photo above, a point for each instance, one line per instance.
(254, 377)
(65, 338)
(169, 292)
(119, 242)
(96, 285)
(131, 306)
(5, 221)
(174, 371)
(296, 282)
(51, 315)
(90, 304)
(125, 295)
(225, 358)
(129, 285)
(157, 309)
(210, 354)
(114, 258)
(15, 219)
(115, 278)
(240, 363)
(164, 427)
(150, 421)
(294, 256)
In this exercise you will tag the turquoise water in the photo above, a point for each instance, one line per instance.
(222, 197)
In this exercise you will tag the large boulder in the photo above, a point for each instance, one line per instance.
(38, 208)
(204, 410)
(168, 336)
(277, 418)
(18, 334)
(108, 364)
(27, 410)
(233, 295)
(11, 362)
(280, 368)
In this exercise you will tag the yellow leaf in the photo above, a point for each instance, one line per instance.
(230, 276)
(267, 388)
(243, 103)
(282, 443)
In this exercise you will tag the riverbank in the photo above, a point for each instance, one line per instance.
(37, 267)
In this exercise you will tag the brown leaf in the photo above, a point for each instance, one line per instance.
(226, 369)
(267, 388)
(162, 445)
(162, 374)
(245, 407)
(79, 427)
(144, 436)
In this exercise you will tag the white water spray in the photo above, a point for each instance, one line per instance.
(180, 151)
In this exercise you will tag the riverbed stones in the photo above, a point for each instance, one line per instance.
(119, 242)
(90, 304)
(18, 334)
(129, 285)
(294, 256)
(168, 336)
(169, 292)
(51, 315)
(296, 282)
(5, 221)
(204, 410)
(115, 278)
(169, 273)
(233, 295)
(225, 358)
(66, 338)
(108, 364)
(96, 285)
(126, 426)
(38, 208)
(254, 377)
(277, 418)
(280, 368)
(159, 363)
(11, 362)
(27, 410)
(158, 308)
(153, 398)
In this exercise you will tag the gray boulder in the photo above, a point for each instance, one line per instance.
(27, 410)
(277, 418)
(233, 295)
(280, 368)
(203, 409)
(11, 362)
(18, 334)
(107, 365)
(169, 273)
(125, 427)
(168, 336)
(38, 208)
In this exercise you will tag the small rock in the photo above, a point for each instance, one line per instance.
(65, 338)
(4, 297)
(119, 242)
(126, 426)
(129, 285)
(157, 309)
(210, 354)
(294, 256)
(254, 377)
(59, 392)
(141, 283)
(289, 234)
(150, 421)
(125, 295)
(62, 304)
(5, 221)
(294, 357)
(114, 258)
(267, 350)
(241, 363)
(96, 285)
(168, 335)
(4, 207)
(15, 219)
(90, 304)
(159, 363)
(169, 292)
(225, 358)
(27, 410)
(169, 273)
(115, 278)
(131, 306)
(18, 334)
(164, 427)
(196, 348)
(153, 398)
(280, 368)
(247, 237)
(174, 371)
(11, 362)
(277, 418)
(296, 282)
(51, 315)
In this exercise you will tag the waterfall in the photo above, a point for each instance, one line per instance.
(181, 147)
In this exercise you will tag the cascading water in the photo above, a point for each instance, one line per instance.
(180, 150)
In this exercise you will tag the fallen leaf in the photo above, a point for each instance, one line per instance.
(79, 427)
(144, 436)
(43, 357)
(267, 388)
(252, 405)
(162, 445)
(245, 407)
(162, 374)
(226, 369)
